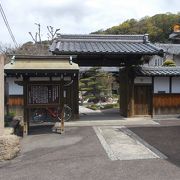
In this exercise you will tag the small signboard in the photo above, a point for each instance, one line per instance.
(43, 94)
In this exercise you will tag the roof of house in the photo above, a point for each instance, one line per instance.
(40, 63)
(157, 71)
(104, 44)
(170, 48)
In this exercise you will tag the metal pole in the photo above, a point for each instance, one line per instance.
(1, 94)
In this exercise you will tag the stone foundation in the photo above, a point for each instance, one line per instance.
(9, 146)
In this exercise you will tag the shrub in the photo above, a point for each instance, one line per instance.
(8, 118)
(169, 62)
(93, 107)
(116, 105)
(108, 106)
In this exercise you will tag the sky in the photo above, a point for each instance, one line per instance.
(74, 16)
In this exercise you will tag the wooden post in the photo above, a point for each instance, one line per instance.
(76, 96)
(126, 92)
(62, 121)
(25, 129)
(130, 84)
(1, 94)
(152, 99)
(61, 99)
(6, 96)
(123, 93)
(170, 84)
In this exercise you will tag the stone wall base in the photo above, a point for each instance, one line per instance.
(9, 146)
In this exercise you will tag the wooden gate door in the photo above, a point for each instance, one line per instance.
(142, 99)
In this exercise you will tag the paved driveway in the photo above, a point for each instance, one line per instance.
(79, 155)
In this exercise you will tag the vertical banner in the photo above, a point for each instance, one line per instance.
(1, 94)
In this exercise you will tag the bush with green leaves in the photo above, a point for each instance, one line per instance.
(8, 118)
(169, 62)
(93, 107)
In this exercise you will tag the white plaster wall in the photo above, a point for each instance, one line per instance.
(143, 80)
(177, 60)
(175, 84)
(155, 61)
(14, 89)
(161, 84)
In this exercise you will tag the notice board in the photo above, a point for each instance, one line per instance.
(43, 94)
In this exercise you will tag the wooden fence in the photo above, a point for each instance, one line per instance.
(166, 100)
(166, 103)
(15, 100)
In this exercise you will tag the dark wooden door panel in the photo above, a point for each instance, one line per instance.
(142, 100)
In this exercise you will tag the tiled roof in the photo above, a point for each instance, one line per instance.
(174, 35)
(157, 71)
(40, 63)
(104, 44)
(170, 48)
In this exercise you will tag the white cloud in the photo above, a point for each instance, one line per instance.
(75, 16)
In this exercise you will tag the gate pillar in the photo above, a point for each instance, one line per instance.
(126, 77)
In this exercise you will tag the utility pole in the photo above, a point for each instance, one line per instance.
(1, 94)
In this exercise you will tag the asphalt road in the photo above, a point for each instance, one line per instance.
(78, 155)
(166, 139)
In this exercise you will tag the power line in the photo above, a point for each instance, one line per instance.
(7, 25)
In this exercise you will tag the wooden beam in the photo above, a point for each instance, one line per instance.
(2, 94)
(107, 60)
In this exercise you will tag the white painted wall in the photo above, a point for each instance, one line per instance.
(175, 84)
(143, 80)
(14, 89)
(161, 84)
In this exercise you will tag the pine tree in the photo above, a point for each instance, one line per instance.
(95, 85)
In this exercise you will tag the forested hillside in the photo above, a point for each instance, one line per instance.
(158, 27)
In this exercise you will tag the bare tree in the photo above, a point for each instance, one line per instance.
(39, 31)
(6, 49)
(37, 37)
(52, 34)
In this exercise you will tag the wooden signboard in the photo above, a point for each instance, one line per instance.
(43, 94)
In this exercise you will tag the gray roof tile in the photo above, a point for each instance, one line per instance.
(104, 44)
(157, 71)
(170, 48)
